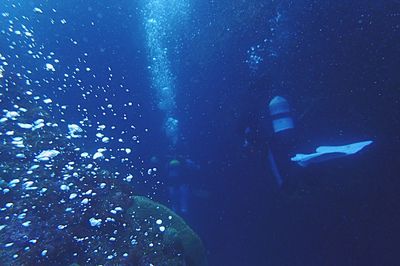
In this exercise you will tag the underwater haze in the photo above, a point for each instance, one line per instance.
(199, 132)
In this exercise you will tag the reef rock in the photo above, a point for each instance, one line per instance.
(165, 239)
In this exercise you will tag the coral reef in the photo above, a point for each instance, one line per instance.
(59, 207)
(169, 235)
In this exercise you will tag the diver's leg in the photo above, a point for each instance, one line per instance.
(184, 198)
(173, 198)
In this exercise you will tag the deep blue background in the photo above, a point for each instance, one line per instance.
(337, 63)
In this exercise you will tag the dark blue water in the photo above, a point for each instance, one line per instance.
(336, 63)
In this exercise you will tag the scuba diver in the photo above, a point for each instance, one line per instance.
(283, 156)
(180, 171)
(179, 175)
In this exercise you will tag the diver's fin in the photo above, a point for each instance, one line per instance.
(325, 153)
(348, 149)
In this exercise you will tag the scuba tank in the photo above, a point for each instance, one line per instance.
(279, 111)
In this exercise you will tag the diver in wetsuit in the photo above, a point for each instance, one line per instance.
(179, 178)
(283, 158)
